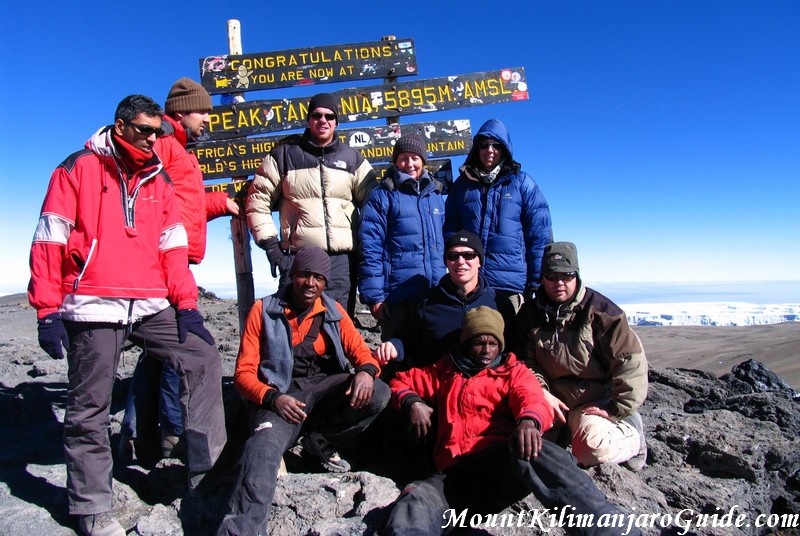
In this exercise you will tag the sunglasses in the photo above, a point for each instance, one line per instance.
(565, 277)
(454, 255)
(146, 130)
(485, 145)
(320, 115)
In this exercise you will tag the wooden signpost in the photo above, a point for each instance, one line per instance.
(225, 151)
(372, 102)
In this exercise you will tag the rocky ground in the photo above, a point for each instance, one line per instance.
(717, 445)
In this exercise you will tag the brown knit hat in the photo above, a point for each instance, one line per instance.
(187, 96)
(311, 259)
(410, 143)
(483, 320)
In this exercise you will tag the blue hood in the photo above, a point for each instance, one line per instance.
(496, 130)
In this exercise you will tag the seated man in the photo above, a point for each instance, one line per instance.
(485, 402)
(433, 328)
(583, 351)
(293, 369)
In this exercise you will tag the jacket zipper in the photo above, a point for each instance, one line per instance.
(85, 265)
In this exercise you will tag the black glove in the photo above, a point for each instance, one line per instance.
(276, 257)
(53, 335)
(191, 321)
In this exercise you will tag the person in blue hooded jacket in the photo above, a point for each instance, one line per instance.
(401, 236)
(504, 206)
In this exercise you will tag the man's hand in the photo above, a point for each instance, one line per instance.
(593, 409)
(232, 207)
(380, 311)
(191, 321)
(290, 409)
(278, 260)
(360, 390)
(53, 335)
(526, 441)
(419, 416)
(385, 352)
(556, 404)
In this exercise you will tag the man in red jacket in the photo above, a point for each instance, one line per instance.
(109, 264)
(153, 399)
(489, 453)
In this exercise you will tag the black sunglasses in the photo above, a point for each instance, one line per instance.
(491, 144)
(560, 276)
(454, 255)
(320, 115)
(146, 130)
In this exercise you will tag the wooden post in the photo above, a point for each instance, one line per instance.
(395, 119)
(240, 235)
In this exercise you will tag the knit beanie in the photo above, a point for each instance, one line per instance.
(323, 100)
(410, 143)
(465, 238)
(311, 259)
(483, 320)
(560, 257)
(187, 96)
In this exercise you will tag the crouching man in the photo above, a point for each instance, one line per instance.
(490, 413)
(293, 368)
(589, 361)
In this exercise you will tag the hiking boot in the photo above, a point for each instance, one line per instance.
(172, 446)
(636, 463)
(315, 445)
(104, 524)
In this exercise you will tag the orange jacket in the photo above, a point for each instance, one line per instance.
(246, 378)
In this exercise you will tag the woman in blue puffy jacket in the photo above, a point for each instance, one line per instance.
(401, 236)
(502, 204)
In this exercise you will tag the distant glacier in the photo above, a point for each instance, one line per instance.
(715, 303)
(709, 314)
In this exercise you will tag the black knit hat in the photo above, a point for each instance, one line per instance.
(410, 143)
(323, 100)
(311, 259)
(483, 320)
(187, 96)
(465, 238)
(560, 258)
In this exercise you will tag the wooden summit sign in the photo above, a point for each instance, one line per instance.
(303, 66)
(234, 158)
(372, 102)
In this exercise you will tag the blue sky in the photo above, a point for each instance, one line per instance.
(665, 135)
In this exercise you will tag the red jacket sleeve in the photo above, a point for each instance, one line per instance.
(421, 382)
(216, 205)
(56, 222)
(174, 251)
(526, 398)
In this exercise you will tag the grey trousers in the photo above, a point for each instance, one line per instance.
(329, 413)
(93, 357)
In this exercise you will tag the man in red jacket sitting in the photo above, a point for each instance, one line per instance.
(490, 414)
